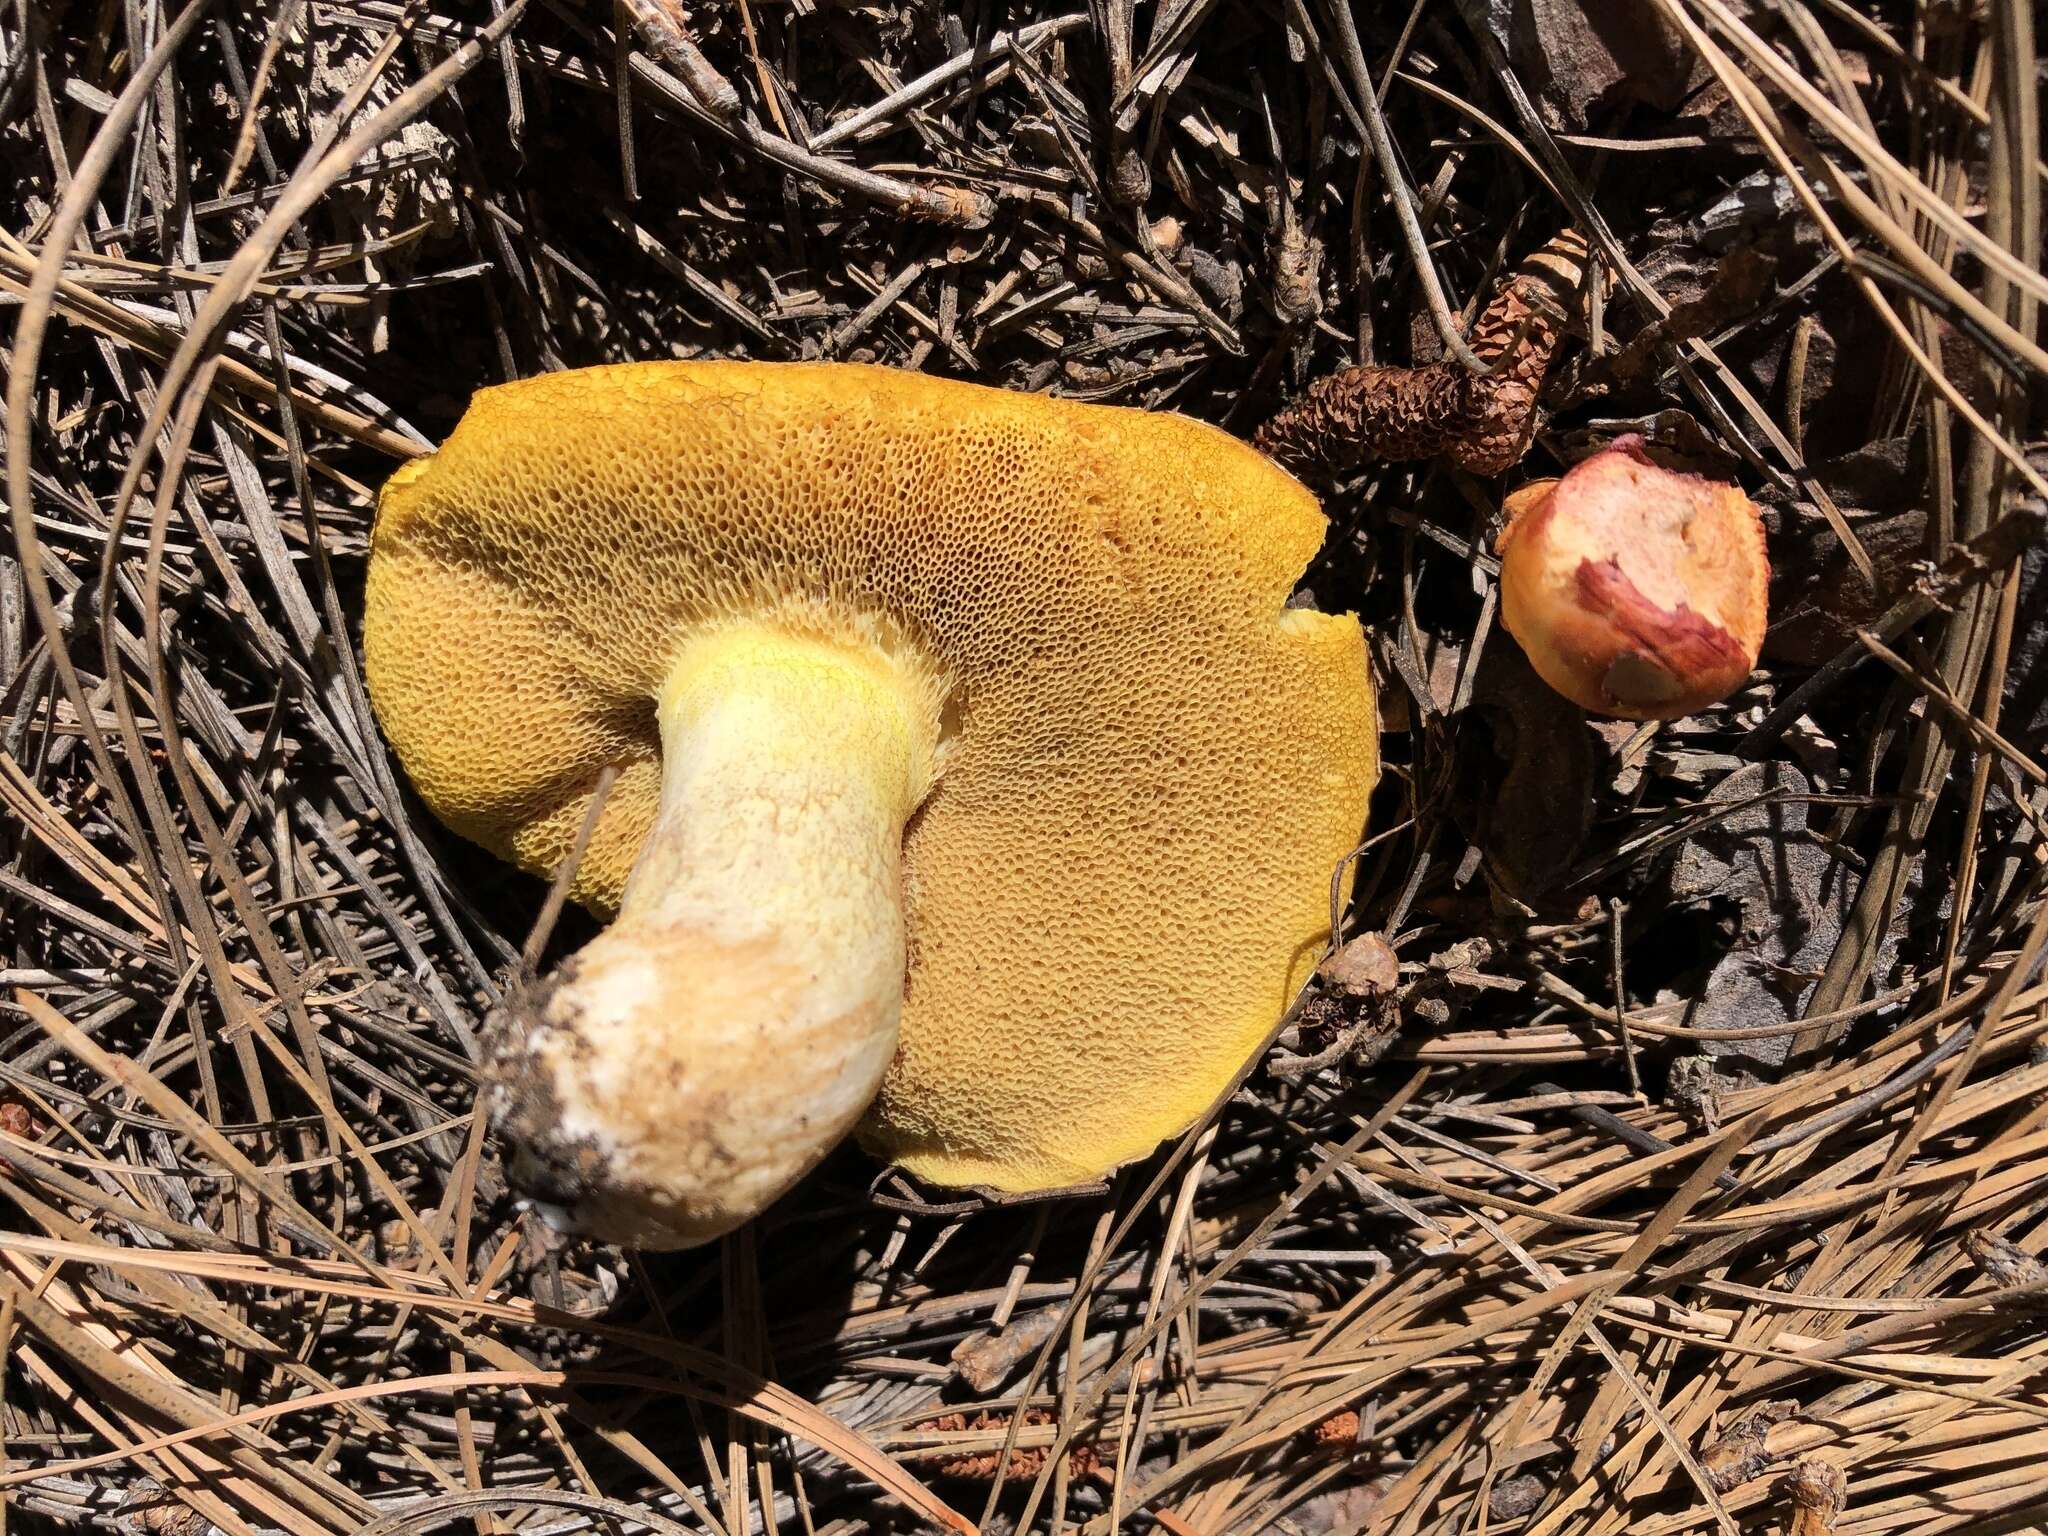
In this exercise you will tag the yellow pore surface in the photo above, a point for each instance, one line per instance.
(1151, 767)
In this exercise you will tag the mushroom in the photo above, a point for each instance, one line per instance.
(975, 782)
(1635, 590)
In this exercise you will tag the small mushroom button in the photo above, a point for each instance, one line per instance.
(1635, 590)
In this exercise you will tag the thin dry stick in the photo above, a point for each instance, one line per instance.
(667, 31)
(1472, 358)
(961, 207)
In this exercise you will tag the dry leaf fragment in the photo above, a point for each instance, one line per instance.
(1529, 801)
(162, 1515)
(1353, 1012)
(1777, 896)
(1740, 1453)
(1363, 967)
(1482, 423)
(1739, 283)
(1818, 1492)
(150, 1509)
(1516, 1496)
(1819, 598)
(1590, 56)
(1694, 1090)
(2005, 1263)
(1297, 257)
(1761, 202)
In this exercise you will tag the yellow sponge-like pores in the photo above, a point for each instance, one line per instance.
(1152, 765)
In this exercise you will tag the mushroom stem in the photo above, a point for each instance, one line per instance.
(705, 1051)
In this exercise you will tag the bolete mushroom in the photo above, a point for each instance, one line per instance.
(1634, 589)
(975, 781)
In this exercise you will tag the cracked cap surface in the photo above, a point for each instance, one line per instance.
(1152, 768)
